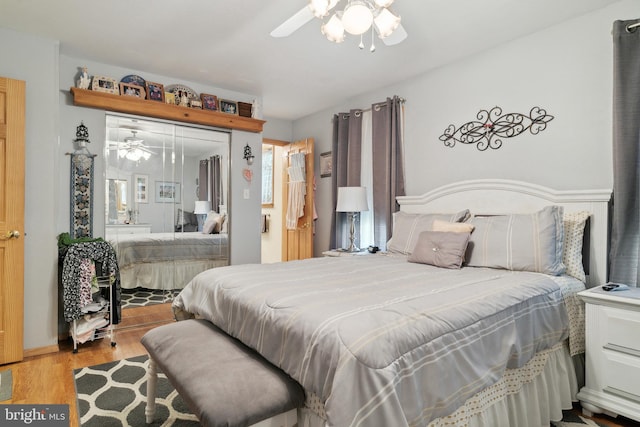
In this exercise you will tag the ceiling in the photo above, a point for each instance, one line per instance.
(226, 44)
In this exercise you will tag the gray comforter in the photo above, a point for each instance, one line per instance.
(159, 247)
(381, 341)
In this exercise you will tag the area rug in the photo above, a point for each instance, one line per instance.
(571, 419)
(115, 394)
(141, 297)
(6, 385)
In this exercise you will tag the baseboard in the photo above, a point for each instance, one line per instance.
(39, 351)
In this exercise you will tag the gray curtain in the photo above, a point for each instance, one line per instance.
(346, 154)
(388, 165)
(625, 233)
(210, 183)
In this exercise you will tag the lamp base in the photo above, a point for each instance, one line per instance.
(350, 250)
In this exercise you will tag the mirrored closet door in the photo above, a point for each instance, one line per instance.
(166, 188)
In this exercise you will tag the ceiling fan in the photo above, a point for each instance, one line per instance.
(357, 17)
(132, 148)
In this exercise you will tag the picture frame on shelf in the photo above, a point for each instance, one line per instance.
(229, 107)
(130, 89)
(169, 98)
(105, 84)
(141, 188)
(167, 192)
(155, 91)
(209, 102)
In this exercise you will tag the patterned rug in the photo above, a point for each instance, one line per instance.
(140, 297)
(115, 394)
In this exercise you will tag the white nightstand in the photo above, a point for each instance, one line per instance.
(612, 383)
(337, 252)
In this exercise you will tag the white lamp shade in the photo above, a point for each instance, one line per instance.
(357, 17)
(202, 207)
(333, 30)
(352, 199)
(386, 23)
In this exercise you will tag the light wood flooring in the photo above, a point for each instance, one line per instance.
(48, 379)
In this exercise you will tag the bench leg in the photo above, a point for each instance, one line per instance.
(152, 378)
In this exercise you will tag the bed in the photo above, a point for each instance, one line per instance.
(397, 339)
(167, 260)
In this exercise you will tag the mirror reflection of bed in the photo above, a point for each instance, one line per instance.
(165, 207)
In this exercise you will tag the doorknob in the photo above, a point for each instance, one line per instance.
(12, 234)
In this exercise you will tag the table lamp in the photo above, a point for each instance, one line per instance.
(352, 200)
(201, 210)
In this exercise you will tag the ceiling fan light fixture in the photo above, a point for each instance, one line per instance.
(321, 8)
(333, 30)
(386, 22)
(357, 17)
(383, 3)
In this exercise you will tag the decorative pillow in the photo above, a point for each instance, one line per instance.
(574, 225)
(521, 242)
(185, 218)
(407, 227)
(213, 223)
(456, 227)
(440, 248)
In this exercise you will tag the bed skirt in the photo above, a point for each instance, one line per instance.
(165, 275)
(531, 396)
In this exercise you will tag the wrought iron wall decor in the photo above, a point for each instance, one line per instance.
(81, 218)
(492, 126)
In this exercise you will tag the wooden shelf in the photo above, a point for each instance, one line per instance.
(143, 107)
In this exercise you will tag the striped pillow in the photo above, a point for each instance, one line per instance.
(407, 227)
(520, 242)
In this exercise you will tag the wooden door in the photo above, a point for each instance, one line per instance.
(12, 131)
(298, 243)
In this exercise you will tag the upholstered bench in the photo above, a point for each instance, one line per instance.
(222, 381)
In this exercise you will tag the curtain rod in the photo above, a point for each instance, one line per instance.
(632, 27)
(378, 105)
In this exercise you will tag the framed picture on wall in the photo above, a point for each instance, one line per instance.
(141, 188)
(325, 164)
(167, 192)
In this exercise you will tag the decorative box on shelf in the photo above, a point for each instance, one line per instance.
(244, 109)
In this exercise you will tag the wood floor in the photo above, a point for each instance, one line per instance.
(48, 379)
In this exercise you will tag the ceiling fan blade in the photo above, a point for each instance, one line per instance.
(398, 35)
(287, 28)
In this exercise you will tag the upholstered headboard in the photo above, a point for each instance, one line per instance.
(498, 196)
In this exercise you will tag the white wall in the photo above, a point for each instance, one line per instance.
(565, 69)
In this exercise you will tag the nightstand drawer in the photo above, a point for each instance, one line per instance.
(622, 375)
(622, 328)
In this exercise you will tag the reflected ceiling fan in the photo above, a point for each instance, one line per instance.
(357, 17)
(132, 148)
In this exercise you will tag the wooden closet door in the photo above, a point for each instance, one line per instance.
(12, 134)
